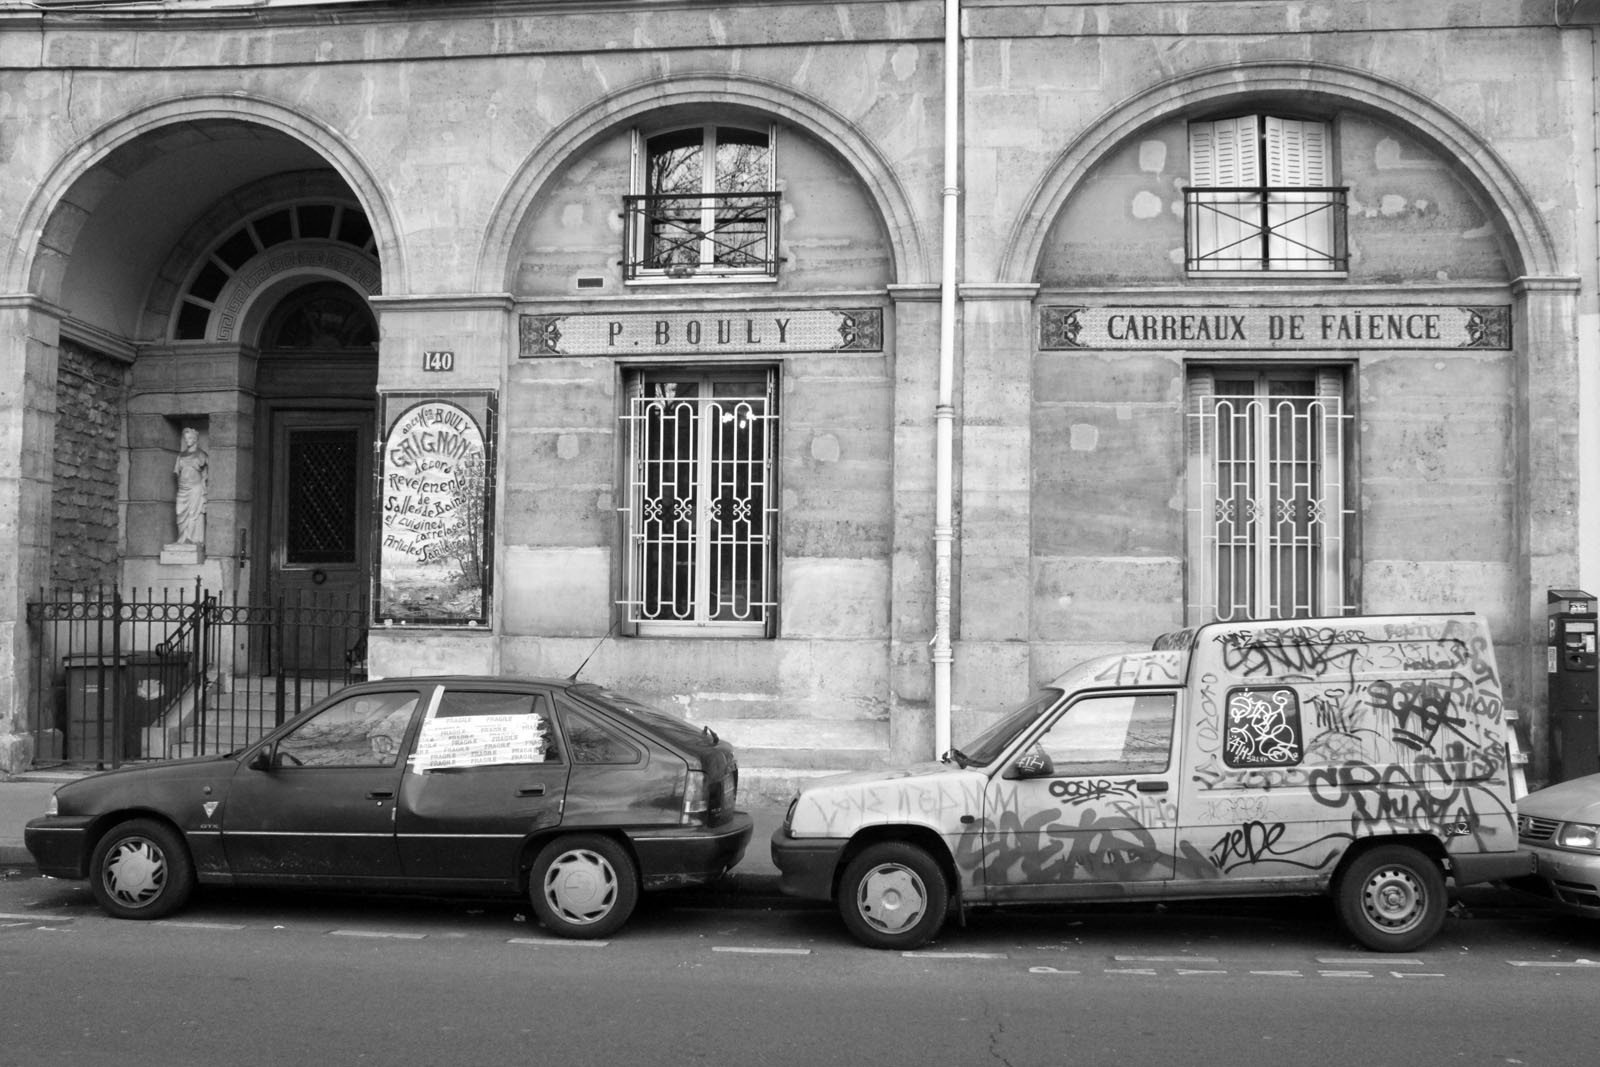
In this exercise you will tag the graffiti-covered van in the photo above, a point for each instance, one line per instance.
(1365, 757)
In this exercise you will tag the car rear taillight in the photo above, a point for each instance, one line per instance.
(696, 801)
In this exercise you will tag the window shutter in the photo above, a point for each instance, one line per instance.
(1223, 153)
(1297, 152)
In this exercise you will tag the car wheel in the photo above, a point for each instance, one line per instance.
(583, 886)
(893, 895)
(1392, 899)
(141, 870)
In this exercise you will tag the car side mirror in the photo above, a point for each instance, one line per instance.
(262, 760)
(1034, 763)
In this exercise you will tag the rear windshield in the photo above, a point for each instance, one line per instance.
(670, 727)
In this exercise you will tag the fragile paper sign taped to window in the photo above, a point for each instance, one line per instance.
(479, 741)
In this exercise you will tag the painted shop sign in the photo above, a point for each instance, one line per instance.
(436, 503)
(697, 333)
(1232, 328)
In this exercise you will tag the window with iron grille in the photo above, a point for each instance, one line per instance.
(1268, 495)
(1260, 197)
(701, 504)
(704, 205)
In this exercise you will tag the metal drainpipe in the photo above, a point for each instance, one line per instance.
(945, 413)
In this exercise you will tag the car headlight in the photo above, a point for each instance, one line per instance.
(1585, 837)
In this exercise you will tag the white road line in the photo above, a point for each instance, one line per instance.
(954, 955)
(1554, 963)
(200, 926)
(37, 918)
(396, 935)
(1278, 974)
(748, 951)
(1344, 974)
(556, 942)
(1165, 959)
(1416, 974)
(1050, 970)
(1358, 961)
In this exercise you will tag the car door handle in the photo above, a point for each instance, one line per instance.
(1151, 787)
(531, 791)
(380, 795)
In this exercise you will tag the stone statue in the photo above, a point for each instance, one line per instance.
(190, 470)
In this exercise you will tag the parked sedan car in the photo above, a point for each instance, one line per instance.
(1560, 825)
(575, 795)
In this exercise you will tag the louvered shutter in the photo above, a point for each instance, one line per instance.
(1300, 225)
(1224, 226)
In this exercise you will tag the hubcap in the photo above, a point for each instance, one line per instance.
(135, 873)
(1394, 899)
(892, 898)
(581, 887)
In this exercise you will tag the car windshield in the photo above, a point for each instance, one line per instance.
(987, 746)
(669, 726)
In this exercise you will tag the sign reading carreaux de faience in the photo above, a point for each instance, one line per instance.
(1410, 326)
(699, 333)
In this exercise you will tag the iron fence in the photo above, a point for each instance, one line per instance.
(121, 677)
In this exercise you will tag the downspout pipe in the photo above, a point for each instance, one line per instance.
(945, 413)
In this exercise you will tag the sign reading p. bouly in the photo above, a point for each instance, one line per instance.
(692, 332)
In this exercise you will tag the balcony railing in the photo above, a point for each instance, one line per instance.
(700, 235)
(1299, 228)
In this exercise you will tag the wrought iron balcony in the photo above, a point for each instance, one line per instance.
(700, 235)
(1266, 228)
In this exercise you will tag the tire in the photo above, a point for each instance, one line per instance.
(583, 886)
(893, 896)
(141, 869)
(1392, 899)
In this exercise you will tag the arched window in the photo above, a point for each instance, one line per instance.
(705, 204)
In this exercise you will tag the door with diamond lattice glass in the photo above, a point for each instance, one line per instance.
(321, 512)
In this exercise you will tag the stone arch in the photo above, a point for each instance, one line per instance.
(910, 252)
(47, 227)
(1534, 251)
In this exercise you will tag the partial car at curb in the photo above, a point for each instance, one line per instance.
(576, 796)
(1560, 826)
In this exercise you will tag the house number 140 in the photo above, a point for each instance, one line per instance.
(438, 361)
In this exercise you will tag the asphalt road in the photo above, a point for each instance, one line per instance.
(247, 978)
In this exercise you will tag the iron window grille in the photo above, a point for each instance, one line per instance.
(701, 504)
(1269, 228)
(688, 235)
(1269, 509)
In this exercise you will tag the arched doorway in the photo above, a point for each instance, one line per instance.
(316, 381)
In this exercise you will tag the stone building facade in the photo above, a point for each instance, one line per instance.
(831, 372)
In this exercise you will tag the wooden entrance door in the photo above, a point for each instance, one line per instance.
(321, 522)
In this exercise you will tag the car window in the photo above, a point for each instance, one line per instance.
(1120, 734)
(365, 730)
(670, 727)
(483, 728)
(987, 746)
(590, 741)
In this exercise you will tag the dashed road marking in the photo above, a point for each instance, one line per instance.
(1554, 963)
(752, 951)
(1165, 959)
(955, 955)
(23, 917)
(556, 942)
(397, 935)
(200, 926)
